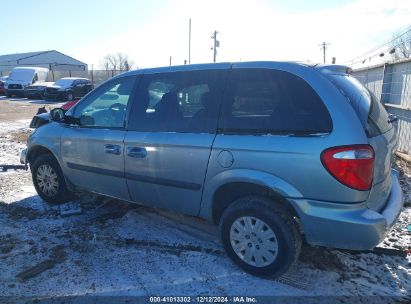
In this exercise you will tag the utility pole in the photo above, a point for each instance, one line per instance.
(170, 60)
(189, 41)
(216, 45)
(324, 47)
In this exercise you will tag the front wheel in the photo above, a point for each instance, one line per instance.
(260, 236)
(49, 181)
(69, 96)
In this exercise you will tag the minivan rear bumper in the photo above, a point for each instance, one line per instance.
(349, 226)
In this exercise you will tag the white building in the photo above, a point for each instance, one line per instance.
(53, 60)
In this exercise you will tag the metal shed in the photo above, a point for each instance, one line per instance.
(53, 60)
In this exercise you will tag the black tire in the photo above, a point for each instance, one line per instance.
(278, 219)
(69, 96)
(9, 95)
(59, 194)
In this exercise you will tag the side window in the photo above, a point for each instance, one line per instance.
(192, 99)
(106, 106)
(270, 101)
(186, 102)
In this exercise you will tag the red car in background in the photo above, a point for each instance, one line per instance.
(2, 82)
(42, 116)
(69, 104)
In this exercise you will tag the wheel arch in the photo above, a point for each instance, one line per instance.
(227, 186)
(37, 150)
(226, 194)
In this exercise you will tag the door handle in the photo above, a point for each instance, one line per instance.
(112, 149)
(136, 152)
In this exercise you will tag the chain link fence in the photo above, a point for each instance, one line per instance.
(391, 84)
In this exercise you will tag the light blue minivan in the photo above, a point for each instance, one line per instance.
(273, 152)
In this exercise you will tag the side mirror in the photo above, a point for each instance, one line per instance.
(57, 115)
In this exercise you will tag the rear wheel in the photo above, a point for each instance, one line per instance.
(260, 236)
(49, 181)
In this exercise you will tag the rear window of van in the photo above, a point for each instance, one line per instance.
(268, 101)
(369, 110)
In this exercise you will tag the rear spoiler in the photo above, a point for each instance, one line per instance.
(333, 69)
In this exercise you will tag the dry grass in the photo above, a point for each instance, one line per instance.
(20, 137)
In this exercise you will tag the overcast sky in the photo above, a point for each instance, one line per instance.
(151, 31)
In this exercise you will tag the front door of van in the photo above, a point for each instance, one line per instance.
(93, 150)
(171, 130)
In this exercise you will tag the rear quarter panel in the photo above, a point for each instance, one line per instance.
(293, 160)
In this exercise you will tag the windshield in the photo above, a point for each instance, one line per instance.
(21, 75)
(64, 82)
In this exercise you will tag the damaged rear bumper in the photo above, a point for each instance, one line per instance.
(349, 226)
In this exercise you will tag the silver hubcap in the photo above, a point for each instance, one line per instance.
(47, 180)
(253, 241)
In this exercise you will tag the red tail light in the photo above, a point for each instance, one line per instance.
(352, 166)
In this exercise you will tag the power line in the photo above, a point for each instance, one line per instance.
(390, 50)
(379, 46)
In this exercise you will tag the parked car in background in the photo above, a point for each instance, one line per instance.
(43, 117)
(273, 152)
(68, 88)
(21, 77)
(36, 90)
(2, 83)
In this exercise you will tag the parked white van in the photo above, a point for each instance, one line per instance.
(21, 77)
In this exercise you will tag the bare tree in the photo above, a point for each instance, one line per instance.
(401, 45)
(119, 62)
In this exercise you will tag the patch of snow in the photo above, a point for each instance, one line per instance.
(117, 249)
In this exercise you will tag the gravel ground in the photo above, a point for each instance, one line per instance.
(117, 249)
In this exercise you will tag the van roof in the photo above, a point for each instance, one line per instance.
(324, 68)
